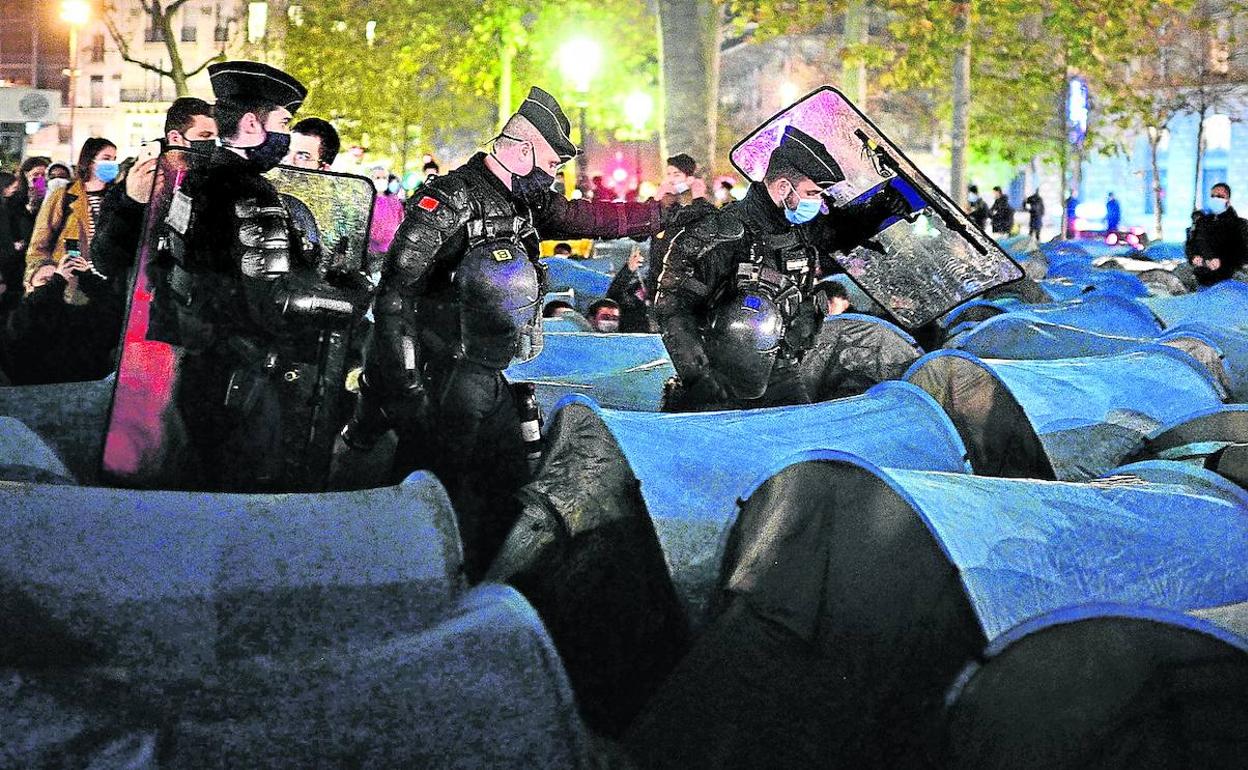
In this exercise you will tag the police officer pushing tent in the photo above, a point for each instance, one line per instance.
(250, 304)
(735, 301)
(459, 298)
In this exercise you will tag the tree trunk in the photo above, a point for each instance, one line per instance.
(1063, 113)
(960, 130)
(689, 74)
(177, 70)
(1198, 197)
(506, 56)
(1154, 139)
(857, 33)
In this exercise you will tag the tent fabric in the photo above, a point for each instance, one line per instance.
(1093, 279)
(587, 284)
(694, 467)
(567, 322)
(180, 581)
(1198, 436)
(69, 417)
(619, 371)
(854, 352)
(1159, 251)
(1017, 336)
(1221, 305)
(483, 687)
(1103, 686)
(26, 457)
(856, 594)
(1065, 418)
(1104, 313)
(585, 553)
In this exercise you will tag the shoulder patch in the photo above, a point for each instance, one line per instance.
(428, 204)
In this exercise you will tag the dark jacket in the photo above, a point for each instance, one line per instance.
(629, 292)
(416, 316)
(1034, 205)
(1219, 236)
(117, 237)
(50, 340)
(11, 262)
(700, 266)
(979, 213)
(1002, 214)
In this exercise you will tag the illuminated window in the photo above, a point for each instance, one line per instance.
(257, 21)
(1218, 132)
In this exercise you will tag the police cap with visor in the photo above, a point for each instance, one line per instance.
(800, 151)
(242, 80)
(541, 109)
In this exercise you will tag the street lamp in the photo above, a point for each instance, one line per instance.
(580, 59)
(638, 107)
(75, 13)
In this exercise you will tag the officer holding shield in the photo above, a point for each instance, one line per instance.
(735, 298)
(249, 303)
(459, 298)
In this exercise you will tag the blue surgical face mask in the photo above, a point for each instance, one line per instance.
(807, 209)
(107, 170)
(1219, 205)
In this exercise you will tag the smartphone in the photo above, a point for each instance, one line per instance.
(148, 151)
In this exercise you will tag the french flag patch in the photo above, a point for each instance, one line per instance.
(428, 204)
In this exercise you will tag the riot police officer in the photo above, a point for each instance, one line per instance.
(735, 300)
(247, 296)
(459, 297)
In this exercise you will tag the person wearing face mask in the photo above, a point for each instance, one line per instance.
(188, 124)
(23, 207)
(604, 316)
(68, 217)
(238, 293)
(459, 295)
(387, 212)
(735, 300)
(1217, 244)
(687, 193)
(976, 208)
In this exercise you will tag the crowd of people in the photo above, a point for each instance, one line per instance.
(448, 295)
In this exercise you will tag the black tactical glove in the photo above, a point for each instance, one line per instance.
(890, 202)
(374, 416)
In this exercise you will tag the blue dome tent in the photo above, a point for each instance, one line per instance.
(586, 284)
(1066, 418)
(1122, 687)
(854, 352)
(857, 594)
(621, 540)
(70, 417)
(618, 371)
(1220, 305)
(177, 580)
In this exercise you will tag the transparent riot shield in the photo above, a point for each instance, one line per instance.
(917, 266)
(233, 382)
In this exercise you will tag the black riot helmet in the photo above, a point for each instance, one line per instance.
(500, 296)
(742, 342)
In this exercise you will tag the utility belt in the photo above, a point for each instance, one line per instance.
(256, 366)
(778, 287)
(489, 228)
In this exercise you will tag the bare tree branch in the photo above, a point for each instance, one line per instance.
(220, 56)
(123, 47)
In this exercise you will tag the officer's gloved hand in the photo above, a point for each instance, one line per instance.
(890, 202)
(374, 416)
(706, 390)
(807, 322)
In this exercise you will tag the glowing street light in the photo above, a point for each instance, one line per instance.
(580, 59)
(75, 13)
(638, 108)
